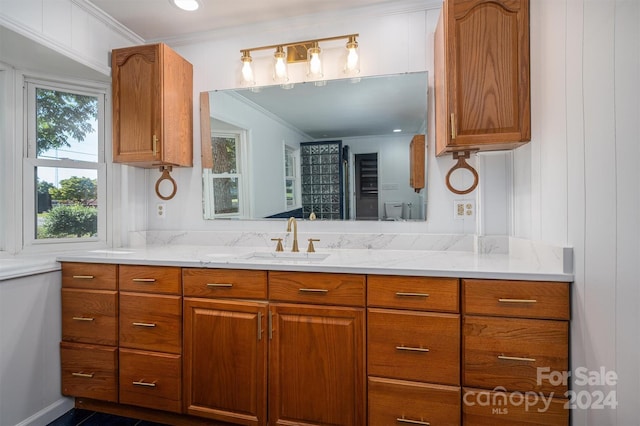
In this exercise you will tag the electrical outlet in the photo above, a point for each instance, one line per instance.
(464, 209)
(161, 210)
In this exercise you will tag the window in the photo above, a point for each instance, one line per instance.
(224, 182)
(290, 181)
(64, 166)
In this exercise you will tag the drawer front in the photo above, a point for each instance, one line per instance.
(516, 299)
(89, 371)
(396, 402)
(90, 316)
(487, 408)
(421, 293)
(96, 276)
(317, 288)
(150, 279)
(151, 322)
(151, 379)
(414, 345)
(507, 352)
(225, 283)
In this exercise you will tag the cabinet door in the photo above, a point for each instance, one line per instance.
(482, 75)
(137, 103)
(225, 348)
(316, 365)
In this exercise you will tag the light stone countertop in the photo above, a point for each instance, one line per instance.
(437, 263)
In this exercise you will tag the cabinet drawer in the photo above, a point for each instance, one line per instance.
(89, 371)
(151, 379)
(90, 316)
(151, 321)
(225, 283)
(317, 288)
(414, 345)
(150, 279)
(423, 293)
(507, 352)
(523, 299)
(396, 402)
(95, 276)
(488, 408)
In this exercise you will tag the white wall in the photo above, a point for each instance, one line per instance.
(30, 334)
(577, 182)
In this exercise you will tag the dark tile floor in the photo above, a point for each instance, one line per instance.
(77, 417)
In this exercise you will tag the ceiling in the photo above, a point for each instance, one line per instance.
(160, 20)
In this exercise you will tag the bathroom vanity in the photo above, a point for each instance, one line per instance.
(344, 337)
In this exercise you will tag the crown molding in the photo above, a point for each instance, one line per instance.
(108, 20)
(393, 7)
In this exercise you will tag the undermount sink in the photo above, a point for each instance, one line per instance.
(285, 256)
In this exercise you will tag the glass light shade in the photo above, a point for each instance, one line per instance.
(248, 79)
(188, 5)
(314, 62)
(352, 64)
(280, 73)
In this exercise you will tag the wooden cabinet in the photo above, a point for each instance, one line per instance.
(413, 355)
(251, 347)
(511, 330)
(482, 84)
(417, 155)
(225, 345)
(88, 350)
(317, 352)
(150, 337)
(152, 106)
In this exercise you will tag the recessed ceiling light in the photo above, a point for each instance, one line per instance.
(188, 5)
(397, 130)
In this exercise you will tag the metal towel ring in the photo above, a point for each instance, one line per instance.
(461, 156)
(166, 176)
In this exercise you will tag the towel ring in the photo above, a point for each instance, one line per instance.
(461, 156)
(166, 176)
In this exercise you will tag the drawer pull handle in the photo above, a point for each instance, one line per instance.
(143, 383)
(517, 300)
(412, 422)
(411, 349)
(83, 277)
(516, 358)
(144, 324)
(84, 375)
(144, 280)
(219, 285)
(313, 290)
(406, 294)
(83, 319)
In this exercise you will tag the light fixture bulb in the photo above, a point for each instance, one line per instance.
(188, 5)
(247, 71)
(280, 74)
(315, 61)
(352, 65)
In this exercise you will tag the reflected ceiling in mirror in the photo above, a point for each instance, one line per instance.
(370, 115)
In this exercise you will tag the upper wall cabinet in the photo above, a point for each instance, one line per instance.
(152, 107)
(482, 75)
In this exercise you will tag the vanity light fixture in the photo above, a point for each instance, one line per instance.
(301, 51)
(280, 74)
(188, 5)
(352, 65)
(247, 70)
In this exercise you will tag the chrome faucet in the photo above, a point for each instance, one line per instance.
(295, 232)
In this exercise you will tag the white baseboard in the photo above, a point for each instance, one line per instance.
(49, 413)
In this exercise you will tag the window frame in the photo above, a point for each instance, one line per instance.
(294, 154)
(31, 163)
(244, 209)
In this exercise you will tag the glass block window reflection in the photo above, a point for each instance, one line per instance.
(321, 173)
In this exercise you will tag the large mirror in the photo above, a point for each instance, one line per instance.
(330, 151)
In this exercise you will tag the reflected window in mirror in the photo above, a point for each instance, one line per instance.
(291, 190)
(225, 181)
